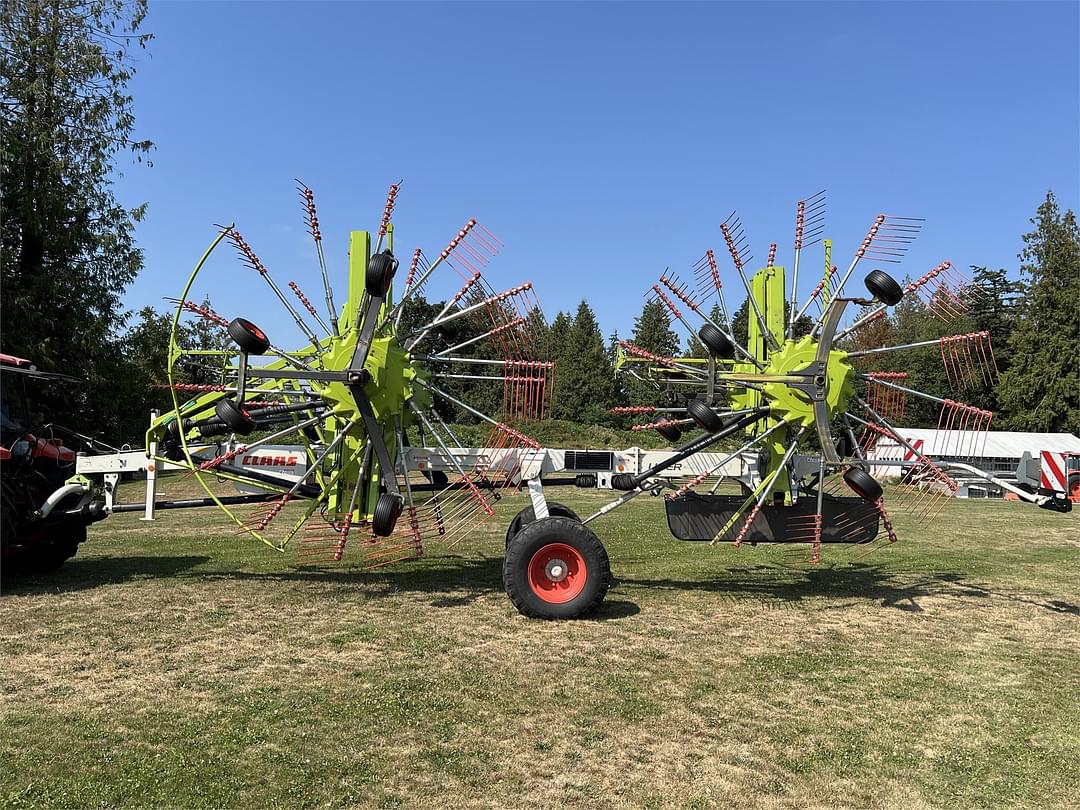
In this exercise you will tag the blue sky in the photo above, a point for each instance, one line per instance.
(600, 142)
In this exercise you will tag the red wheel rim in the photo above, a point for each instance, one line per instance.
(1074, 491)
(256, 331)
(557, 573)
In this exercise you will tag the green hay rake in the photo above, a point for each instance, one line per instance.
(370, 377)
(361, 384)
(813, 420)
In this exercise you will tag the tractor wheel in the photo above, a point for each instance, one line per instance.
(387, 511)
(670, 432)
(528, 515)
(884, 287)
(705, 416)
(716, 342)
(235, 419)
(250, 338)
(862, 484)
(380, 272)
(1074, 488)
(556, 569)
(56, 552)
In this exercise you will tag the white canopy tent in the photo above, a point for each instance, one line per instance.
(997, 452)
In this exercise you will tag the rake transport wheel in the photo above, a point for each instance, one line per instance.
(556, 568)
(716, 341)
(248, 336)
(884, 287)
(862, 484)
(528, 515)
(704, 416)
(387, 511)
(669, 432)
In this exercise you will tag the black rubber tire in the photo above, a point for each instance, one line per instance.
(884, 287)
(235, 420)
(536, 536)
(528, 515)
(704, 416)
(387, 511)
(53, 554)
(716, 342)
(250, 338)
(380, 272)
(669, 432)
(862, 484)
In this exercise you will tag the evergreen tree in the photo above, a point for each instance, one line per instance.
(740, 324)
(993, 310)
(68, 245)
(558, 338)
(653, 332)
(1040, 389)
(586, 389)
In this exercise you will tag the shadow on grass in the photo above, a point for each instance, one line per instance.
(92, 572)
(857, 581)
(454, 581)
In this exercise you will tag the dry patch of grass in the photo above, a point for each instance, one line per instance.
(174, 664)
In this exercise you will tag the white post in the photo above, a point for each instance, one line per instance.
(151, 476)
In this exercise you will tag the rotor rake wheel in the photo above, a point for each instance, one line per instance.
(815, 423)
(363, 399)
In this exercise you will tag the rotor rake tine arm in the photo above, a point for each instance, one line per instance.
(887, 240)
(388, 212)
(261, 521)
(444, 256)
(733, 236)
(309, 307)
(308, 196)
(529, 442)
(256, 264)
(667, 362)
(686, 299)
(490, 333)
(809, 223)
(707, 273)
(445, 314)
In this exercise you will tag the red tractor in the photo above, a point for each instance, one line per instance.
(45, 506)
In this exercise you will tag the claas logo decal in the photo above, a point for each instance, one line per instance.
(270, 461)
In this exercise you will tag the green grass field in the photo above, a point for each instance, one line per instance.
(174, 664)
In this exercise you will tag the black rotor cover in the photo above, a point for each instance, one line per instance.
(845, 519)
